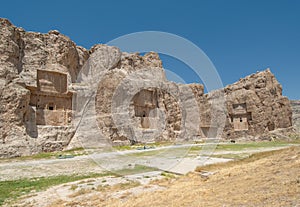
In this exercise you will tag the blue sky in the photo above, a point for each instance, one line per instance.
(239, 36)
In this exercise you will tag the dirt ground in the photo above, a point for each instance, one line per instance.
(162, 158)
(266, 179)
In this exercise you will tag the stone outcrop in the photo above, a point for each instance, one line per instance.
(296, 114)
(55, 95)
(255, 105)
(22, 54)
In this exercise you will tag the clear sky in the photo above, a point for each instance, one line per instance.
(239, 36)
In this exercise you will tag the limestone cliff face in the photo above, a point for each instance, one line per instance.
(44, 77)
(14, 97)
(21, 55)
(128, 72)
(255, 105)
(296, 114)
(52, 51)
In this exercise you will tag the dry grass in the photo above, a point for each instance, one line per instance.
(118, 186)
(80, 192)
(89, 197)
(249, 159)
(265, 179)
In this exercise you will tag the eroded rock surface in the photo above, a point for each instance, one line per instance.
(117, 97)
(255, 106)
(296, 114)
(22, 54)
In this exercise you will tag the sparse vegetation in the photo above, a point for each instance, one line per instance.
(245, 145)
(141, 146)
(119, 186)
(168, 175)
(295, 137)
(234, 156)
(81, 191)
(126, 185)
(10, 190)
(49, 155)
(16, 188)
(124, 147)
(102, 188)
(248, 159)
(73, 187)
(146, 153)
(263, 179)
(135, 170)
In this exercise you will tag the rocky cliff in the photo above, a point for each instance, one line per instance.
(296, 114)
(255, 106)
(21, 55)
(48, 84)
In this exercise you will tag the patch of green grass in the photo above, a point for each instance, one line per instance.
(75, 150)
(242, 146)
(11, 190)
(168, 175)
(135, 170)
(148, 145)
(124, 147)
(167, 152)
(144, 153)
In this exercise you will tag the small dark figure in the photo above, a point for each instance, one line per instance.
(232, 141)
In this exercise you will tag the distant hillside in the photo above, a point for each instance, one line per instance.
(296, 113)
